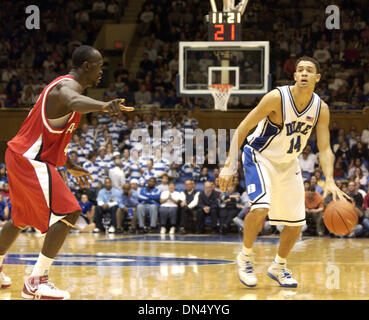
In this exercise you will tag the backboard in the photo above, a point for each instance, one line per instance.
(243, 64)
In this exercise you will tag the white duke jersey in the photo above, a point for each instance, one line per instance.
(282, 145)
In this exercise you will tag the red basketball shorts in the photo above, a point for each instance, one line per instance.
(38, 194)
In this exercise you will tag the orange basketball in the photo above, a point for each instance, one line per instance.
(340, 217)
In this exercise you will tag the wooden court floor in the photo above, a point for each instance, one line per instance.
(122, 267)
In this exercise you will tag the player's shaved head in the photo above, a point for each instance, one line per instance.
(84, 53)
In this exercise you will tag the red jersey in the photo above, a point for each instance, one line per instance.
(37, 139)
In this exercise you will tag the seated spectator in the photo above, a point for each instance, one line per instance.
(188, 207)
(111, 92)
(318, 188)
(307, 164)
(4, 211)
(127, 208)
(148, 203)
(314, 207)
(28, 98)
(169, 201)
(359, 177)
(204, 175)
(344, 152)
(190, 170)
(230, 206)
(245, 208)
(208, 205)
(85, 220)
(354, 194)
(107, 205)
(173, 172)
(142, 96)
(145, 20)
(148, 173)
(164, 185)
(127, 95)
(98, 9)
(357, 163)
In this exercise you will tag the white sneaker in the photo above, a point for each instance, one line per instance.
(40, 288)
(172, 230)
(111, 229)
(5, 281)
(163, 230)
(279, 273)
(246, 273)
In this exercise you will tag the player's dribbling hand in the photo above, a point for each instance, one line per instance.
(116, 105)
(225, 178)
(337, 194)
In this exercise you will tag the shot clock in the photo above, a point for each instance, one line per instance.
(224, 26)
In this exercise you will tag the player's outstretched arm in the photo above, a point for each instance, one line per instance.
(269, 103)
(326, 156)
(74, 101)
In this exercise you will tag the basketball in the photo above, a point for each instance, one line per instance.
(340, 217)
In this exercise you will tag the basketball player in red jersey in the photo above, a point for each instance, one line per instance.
(39, 196)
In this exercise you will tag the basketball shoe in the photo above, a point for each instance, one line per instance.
(246, 273)
(279, 273)
(5, 281)
(40, 288)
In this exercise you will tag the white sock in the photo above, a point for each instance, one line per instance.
(246, 251)
(42, 266)
(1, 260)
(280, 260)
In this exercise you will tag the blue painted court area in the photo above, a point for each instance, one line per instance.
(191, 238)
(109, 260)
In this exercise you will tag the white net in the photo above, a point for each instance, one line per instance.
(221, 94)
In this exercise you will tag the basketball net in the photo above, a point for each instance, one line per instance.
(221, 94)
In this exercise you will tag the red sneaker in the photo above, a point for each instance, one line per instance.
(5, 281)
(40, 288)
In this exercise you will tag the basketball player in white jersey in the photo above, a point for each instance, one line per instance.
(285, 118)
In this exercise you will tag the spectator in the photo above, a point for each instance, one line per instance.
(318, 188)
(148, 198)
(117, 175)
(142, 96)
(4, 211)
(127, 208)
(208, 205)
(164, 186)
(169, 201)
(145, 20)
(314, 207)
(85, 220)
(230, 206)
(357, 163)
(188, 207)
(107, 205)
(204, 175)
(148, 173)
(289, 66)
(354, 194)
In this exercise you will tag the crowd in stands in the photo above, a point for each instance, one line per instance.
(142, 183)
(137, 191)
(29, 60)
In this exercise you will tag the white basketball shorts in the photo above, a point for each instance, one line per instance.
(277, 187)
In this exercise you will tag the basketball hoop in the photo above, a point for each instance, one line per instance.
(221, 93)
